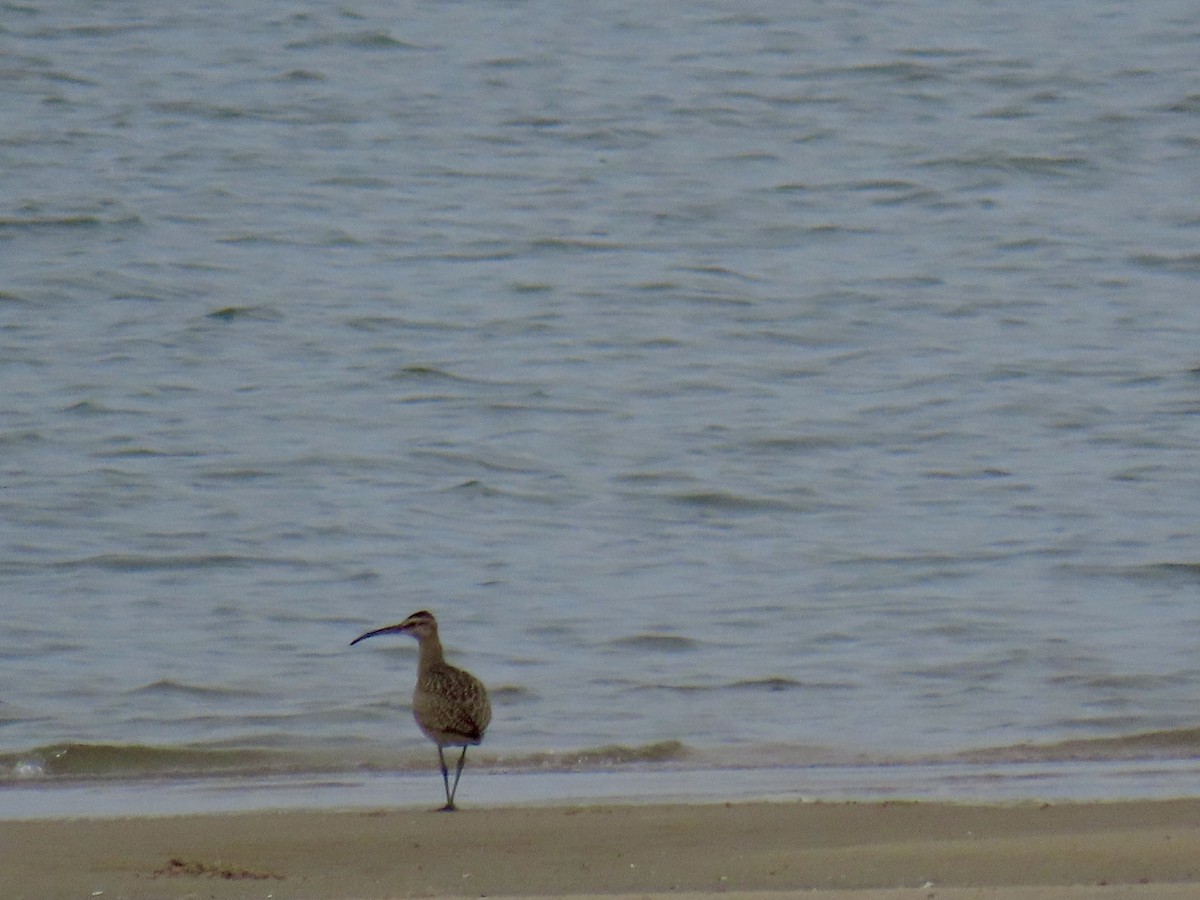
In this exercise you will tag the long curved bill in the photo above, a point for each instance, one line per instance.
(390, 629)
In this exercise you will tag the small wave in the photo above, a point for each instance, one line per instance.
(51, 222)
(10, 714)
(137, 762)
(771, 684)
(236, 474)
(302, 75)
(567, 245)
(19, 437)
(265, 238)
(679, 688)
(140, 452)
(603, 757)
(985, 473)
(533, 121)
(508, 62)
(473, 487)
(239, 313)
(9, 297)
(511, 694)
(802, 443)
(1175, 743)
(1050, 166)
(775, 683)
(724, 501)
(200, 109)
(91, 30)
(1188, 263)
(1171, 572)
(653, 477)
(1117, 682)
(168, 688)
(661, 643)
(127, 562)
(722, 272)
(89, 408)
(74, 761)
(359, 40)
(425, 375)
(1188, 104)
(895, 70)
(491, 463)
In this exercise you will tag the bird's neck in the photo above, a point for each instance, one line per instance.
(430, 653)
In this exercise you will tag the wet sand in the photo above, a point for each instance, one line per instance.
(864, 851)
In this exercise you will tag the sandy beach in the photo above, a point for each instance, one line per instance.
(866, 851)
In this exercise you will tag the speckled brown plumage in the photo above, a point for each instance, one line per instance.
(450, 705)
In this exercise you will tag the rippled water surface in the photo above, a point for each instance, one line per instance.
(794, 384)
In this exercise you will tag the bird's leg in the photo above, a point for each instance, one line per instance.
(457, 775)
(449, 807)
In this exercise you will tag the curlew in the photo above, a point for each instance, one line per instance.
(451, 706)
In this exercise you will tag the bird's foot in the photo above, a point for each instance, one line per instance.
(449, 807)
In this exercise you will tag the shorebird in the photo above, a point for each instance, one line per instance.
(450, 705)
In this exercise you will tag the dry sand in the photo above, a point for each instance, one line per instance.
(828, 851)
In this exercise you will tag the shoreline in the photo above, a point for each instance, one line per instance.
(855, 849)
(978, 782)
(90, 779)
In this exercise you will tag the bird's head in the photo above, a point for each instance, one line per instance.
(420, 625)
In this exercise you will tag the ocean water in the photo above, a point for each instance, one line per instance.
(808, 389)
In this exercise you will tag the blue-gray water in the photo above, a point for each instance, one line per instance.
(786, 385)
